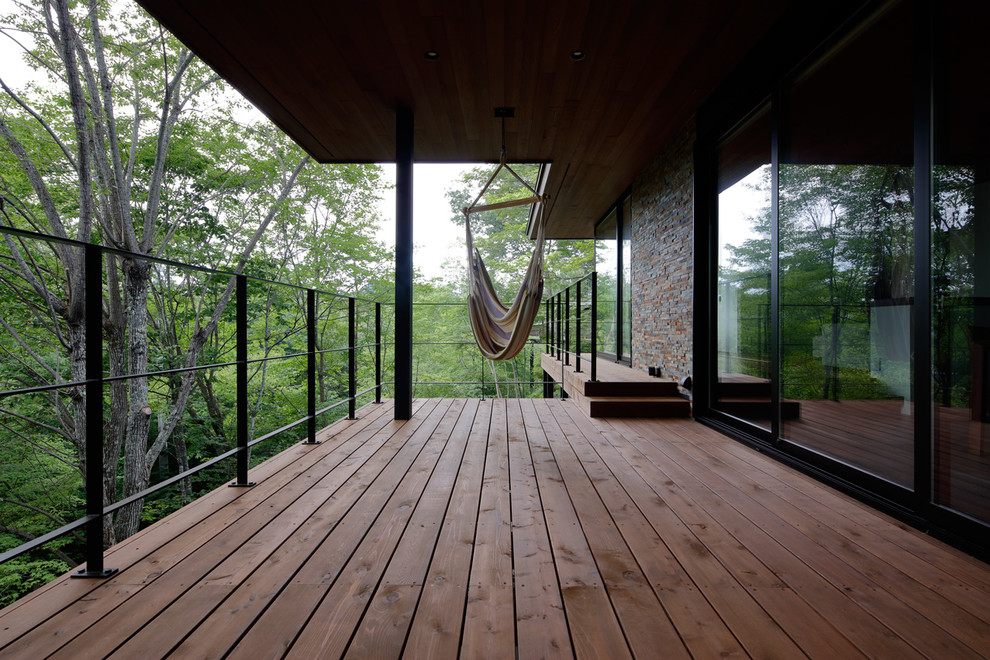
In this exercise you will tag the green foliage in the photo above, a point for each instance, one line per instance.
(21, 576)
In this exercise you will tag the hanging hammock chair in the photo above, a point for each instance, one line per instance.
(500, 331)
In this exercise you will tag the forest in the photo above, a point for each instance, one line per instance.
(124, 140)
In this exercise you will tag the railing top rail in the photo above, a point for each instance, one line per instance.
(22, 233)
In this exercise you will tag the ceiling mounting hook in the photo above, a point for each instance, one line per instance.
(502, 112)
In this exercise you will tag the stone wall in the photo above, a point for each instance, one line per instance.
(663, 259)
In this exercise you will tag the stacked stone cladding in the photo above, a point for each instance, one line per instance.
(663, 259)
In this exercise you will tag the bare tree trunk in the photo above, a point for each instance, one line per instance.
(137, 466)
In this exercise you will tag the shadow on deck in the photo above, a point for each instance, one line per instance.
(491, 528)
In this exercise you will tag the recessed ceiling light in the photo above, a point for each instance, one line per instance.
(577, 55)
(432, 55)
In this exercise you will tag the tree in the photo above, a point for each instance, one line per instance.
(132, 143)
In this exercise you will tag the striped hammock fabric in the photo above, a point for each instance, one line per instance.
(501, 331)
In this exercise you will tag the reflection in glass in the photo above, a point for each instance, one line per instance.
(606, 263)
(846, 255)
(626, 275)
(960, 246)
(743, 351)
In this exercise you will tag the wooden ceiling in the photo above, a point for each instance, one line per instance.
(332, 73)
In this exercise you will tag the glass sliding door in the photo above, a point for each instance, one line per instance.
(846, 300)
(742, 357)
(607, 264)
(960, 264)
(846, 255)
(625, 279)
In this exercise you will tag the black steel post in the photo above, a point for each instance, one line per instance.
(577, 327)
(378, 352)
(551, 328)
(311, 367)
(594, 326)
(403, 262)
(559, 328)
(567, 325)
(242, 382)
(546, 325)
(351, 358)
(93, 295)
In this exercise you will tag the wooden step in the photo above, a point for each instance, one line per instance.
(668, 406)
(620, 391)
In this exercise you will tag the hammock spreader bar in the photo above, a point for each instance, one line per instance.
(500, 331)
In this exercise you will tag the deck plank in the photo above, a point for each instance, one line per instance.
(518, 528)
(707, 514)
(541, 625)
(644, 620)
(596, 630)
(704, 633)
(436, 627)
(273, 632)
(489, 617)
(382, 632)
(914, 611)
(350, 595)
(709, 556)
(331, 496)
(825, 621)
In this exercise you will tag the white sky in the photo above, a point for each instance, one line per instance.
(434, 235)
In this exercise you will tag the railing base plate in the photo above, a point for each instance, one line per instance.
(83, 573)
(240, 485)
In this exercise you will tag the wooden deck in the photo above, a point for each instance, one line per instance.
(517, 528)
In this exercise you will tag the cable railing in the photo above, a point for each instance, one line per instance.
(92, 387)
(560, 311)
(449, 362)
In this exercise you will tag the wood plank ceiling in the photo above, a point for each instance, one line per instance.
(331, 74)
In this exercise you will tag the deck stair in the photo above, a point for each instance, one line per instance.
(620, 391)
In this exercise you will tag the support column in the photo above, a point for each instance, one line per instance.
(403, 261)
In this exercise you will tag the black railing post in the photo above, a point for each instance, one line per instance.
(546, 325)
(594, 325)
(551, 345)
(242, 382)
(559, 328)
(93, 295)
(577, 327)
(378, 352)
(311, 367)
(351, 362)
(567, 325)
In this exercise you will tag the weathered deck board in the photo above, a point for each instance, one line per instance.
(517, 528)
